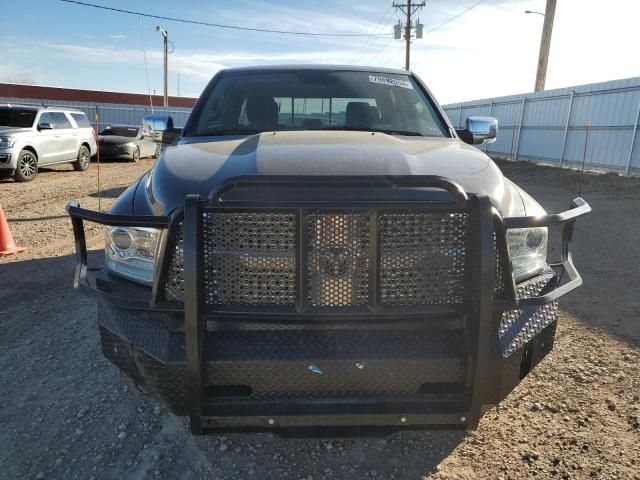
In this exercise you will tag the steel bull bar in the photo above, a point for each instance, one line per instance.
(486, 366)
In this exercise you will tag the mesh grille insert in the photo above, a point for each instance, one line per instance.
(174, 287)
(422, 258)
(249, 258)
(499, 285)
(338, 262)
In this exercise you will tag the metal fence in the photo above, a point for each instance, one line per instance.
(108, 113)
(596, 124)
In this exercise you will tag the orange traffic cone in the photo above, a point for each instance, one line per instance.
(7, 247)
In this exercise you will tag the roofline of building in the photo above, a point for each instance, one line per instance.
(57, 94)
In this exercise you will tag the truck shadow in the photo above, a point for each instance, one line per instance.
(403, 455)
(62, 168)
(109, 192)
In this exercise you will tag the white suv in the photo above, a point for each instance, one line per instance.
(31, 137)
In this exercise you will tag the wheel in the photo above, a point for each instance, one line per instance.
(26, 167)
(135, 156)
(84, 159)
(156, 154)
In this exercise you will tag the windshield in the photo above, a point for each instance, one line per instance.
(316, 100)
(17, 117)
(120, 131)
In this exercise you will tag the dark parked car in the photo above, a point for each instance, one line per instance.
(320, 249)
(124, 141)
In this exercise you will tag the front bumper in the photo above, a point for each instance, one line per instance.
(439, 367)
(115, 151)
(7, 159)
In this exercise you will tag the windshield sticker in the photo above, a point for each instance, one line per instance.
(394, 82)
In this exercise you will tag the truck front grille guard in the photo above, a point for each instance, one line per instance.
(479, 307)
(250, 258)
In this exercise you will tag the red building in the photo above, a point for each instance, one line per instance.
(14, 92)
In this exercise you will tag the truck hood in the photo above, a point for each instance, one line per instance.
(14, 130)
(198, 165)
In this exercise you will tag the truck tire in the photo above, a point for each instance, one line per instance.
(26, 166)
(84, 159)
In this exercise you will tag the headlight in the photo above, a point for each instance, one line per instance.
(528, 251)
(7, 142)
(131, 252)
(129, 144)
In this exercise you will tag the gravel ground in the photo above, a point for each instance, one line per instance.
(66, 413)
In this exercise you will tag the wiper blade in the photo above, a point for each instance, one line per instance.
(390, 131)
(400, 132)
(230, 131)
(344, 127)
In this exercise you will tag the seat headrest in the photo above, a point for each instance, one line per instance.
(262, 112)
(311, 123)
(361, 114)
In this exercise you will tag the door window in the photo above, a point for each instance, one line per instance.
(60, 120)
(81, 119)
(46, 118)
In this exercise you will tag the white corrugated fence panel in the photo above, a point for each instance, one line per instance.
(611, 108)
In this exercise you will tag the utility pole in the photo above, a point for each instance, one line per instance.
(545, 45)
(408, 9)
(165, 47)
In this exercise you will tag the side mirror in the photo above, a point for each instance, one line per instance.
(479, 130)
(169, 136)
(45, 126)
(159, 128)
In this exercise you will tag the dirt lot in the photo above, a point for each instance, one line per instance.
(66, 413)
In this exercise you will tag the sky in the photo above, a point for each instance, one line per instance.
(490, 50)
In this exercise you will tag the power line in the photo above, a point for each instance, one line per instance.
(456, 16)
(393, 54)
(385, 46)
(146, 70)
(220, 25)
(371, 40)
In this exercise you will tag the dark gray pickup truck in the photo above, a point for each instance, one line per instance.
(321, 249)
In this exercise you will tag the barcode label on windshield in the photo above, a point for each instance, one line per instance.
(394, 82)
